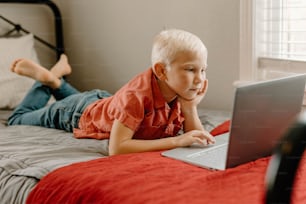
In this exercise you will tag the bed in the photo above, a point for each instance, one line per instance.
(41, 165)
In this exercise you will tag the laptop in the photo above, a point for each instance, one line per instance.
(262, 111)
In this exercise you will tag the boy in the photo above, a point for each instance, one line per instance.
(144, 115)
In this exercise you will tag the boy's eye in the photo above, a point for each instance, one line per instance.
(195, 69)
(190, 69)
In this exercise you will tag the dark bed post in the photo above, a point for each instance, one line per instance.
(57, 17)
(58, 28)
(284, 163)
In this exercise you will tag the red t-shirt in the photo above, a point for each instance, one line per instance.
(139, 105)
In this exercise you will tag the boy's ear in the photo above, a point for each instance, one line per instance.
(160, 71)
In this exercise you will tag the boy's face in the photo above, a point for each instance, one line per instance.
(186, 74)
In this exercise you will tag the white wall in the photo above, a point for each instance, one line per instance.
(109, 41)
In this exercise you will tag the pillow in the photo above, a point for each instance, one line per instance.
(221, 128)
(12, 86)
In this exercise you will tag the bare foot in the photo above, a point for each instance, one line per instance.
(30, 69)
(14, 64)
(62, 67)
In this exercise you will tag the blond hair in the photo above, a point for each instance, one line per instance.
(168, 43)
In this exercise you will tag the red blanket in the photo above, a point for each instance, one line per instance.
(151, 178)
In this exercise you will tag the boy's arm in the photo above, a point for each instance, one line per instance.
(121, 141)
(192, 120)
(190, 112)
(121, 137)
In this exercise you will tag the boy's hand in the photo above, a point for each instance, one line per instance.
(195, 136)
(197, 99)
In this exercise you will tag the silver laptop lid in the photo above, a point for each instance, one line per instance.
(272, 105)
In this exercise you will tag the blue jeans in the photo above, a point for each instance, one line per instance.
(63, 114)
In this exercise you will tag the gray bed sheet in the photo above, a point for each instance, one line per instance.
(27, 153)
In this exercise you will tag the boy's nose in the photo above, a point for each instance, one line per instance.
(200, 77)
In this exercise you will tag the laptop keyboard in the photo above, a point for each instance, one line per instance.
(213, 154)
